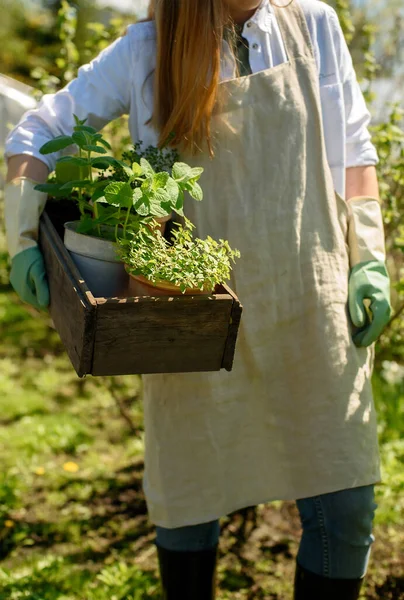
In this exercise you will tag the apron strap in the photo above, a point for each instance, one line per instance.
(293, 26)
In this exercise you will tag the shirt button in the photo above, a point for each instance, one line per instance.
(249, 24)
(255, 46)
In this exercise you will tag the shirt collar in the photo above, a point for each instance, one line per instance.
(263, 16)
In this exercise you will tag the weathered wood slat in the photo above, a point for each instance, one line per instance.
(72, 312)
(230, 348)
(71, 268)
(162, 335)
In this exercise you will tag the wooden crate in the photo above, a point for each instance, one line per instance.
(124, 336)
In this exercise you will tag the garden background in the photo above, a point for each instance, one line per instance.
(73, 520)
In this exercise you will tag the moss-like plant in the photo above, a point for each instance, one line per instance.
(187, 262)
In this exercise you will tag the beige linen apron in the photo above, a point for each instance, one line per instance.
(295, 418)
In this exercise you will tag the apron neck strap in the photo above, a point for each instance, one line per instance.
(293, 26)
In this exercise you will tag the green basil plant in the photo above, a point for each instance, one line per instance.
(117, 203)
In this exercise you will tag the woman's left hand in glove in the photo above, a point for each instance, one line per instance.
(369, 282)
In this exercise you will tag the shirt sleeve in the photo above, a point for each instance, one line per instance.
(359, 148)
(100, 93)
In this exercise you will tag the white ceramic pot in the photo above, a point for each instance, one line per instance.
(97, 261)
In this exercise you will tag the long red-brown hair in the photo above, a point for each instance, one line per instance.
(189, 46)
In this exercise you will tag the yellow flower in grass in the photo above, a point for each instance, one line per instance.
(9, 523)
(39, 471)
(71, 467)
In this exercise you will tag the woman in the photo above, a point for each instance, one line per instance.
(266, 99)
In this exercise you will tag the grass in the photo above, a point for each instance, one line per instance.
(73, 518)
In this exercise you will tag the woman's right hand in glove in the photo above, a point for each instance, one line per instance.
(23, 208)
(28, 277)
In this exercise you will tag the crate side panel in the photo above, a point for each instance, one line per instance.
(69, 310)
(68, 264)
(161, 336)
(230, 349)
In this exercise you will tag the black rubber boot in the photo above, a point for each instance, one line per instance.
(309, 586)
(188, 575)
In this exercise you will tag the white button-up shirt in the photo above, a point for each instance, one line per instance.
(119, 81)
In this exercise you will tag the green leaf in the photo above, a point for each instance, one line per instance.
(196, 172)
(86, 225)
(80, 183)
(119, 193)
(146, 186)
(128, 172)
(103, 162)
(104, 143)
(53, 189)
(82, 138)
(160, 196)
(156, 199)
(147, 168)
(181, 172)
(142, 206)
(173, 190)
(66, 172)
(99, 195)
(160, 180)
(137, 169)
(120, 163)
(78, 122)
(102, 184)
(180, 203)
(142, 209)
(86, 128)
(86, 205)
(195, 191)
(91, 148)
(167, 207)
(59, 143)
(99, 163)
(74, 160)
(137, 194)
(158, 211)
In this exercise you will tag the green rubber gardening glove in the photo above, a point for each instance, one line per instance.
(369, 282)
(23, 206)
(28, 277)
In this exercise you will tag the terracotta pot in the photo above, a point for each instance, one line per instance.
(162, 221)
(140, 286)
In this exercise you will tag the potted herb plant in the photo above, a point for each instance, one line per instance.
(188, 265)
(112, 207)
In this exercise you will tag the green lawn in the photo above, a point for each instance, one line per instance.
(73, 520)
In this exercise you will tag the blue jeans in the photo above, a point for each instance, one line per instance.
(337, 533)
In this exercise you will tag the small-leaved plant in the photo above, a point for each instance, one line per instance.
(112, 204)
(161, 159)
(187, 262)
